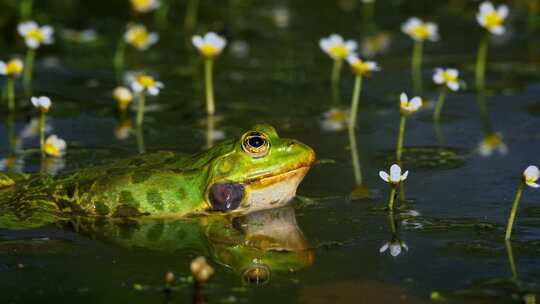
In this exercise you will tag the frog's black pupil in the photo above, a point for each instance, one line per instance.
(256, 141)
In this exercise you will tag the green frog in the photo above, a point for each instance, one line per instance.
(258, 170)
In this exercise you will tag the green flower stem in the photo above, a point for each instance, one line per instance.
(28, 67)
(511, 260)
(417, 67)
(191, 15)
(208, 67)
(119, 57)
(25, 9)
(399, 146)
(11, 93)
(335, 79)
(439, 105)
(140, 139)
(481, 62)
(354, 103)
(354, 156)
(12, 138)
(140, 109)
(392, 198)
(513, 212)
(392, 221)
(484, 114)
(162, 14)
(210, 129)
(42, 133)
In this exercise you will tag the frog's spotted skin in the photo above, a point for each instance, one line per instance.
(233, 176)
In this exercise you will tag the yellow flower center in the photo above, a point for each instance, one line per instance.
(361, 68)
(209, 50)
(36, 34)
(493, 141)
(339, 51)
(420, 32)
(141, 5)
(493, 20)
(449, 77)
(52, 150)
(14, 67)
(139, 37)
(530, 179)
(146, 81)
(337, 116)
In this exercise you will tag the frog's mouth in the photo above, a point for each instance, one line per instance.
(257, 194)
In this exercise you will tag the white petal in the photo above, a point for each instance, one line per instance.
(383, 248)
(502, 11)
(395, 173)
(47, 30)
(534, 185)
(32, 43)
(335, 39)
(153, 38)
(404, 175)
(452, 72)
(3, 68)
(395, 250)
(324, 44)
(154, 91)
(351, 45)
(197, 41)
(136, 87)
(438, 77)
(25, 27)
(372, 66)
(35, 101)
(453, 85)
(403, 97)
(486, 7)
(416, 103)
(385, 177)
(532, 172)
(498, 30)
(352, 58)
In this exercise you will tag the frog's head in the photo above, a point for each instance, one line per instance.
(259, 171)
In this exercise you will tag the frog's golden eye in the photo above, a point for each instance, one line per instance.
(255, 144)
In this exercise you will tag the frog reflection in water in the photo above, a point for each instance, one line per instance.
(258, 171)
(254, 245)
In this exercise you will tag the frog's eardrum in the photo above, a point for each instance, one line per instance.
(226, 196)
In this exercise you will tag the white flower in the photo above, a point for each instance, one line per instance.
(531, 175)
(336, 47)
(490, 143)
(12, 163)
(360, 67)
(376, 44)
(43, 103)
(420, 30)
(210, 45)
(492, 19)
(34, 35)
(144, 6)
(395, 177)
(409, 106)
(14, 67)
(395, 246)
(123, 96)
(138, 36)
(146, 83)
(448, 77)
(55, 146)
(335, 120)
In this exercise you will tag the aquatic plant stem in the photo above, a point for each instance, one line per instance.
(162, 14)
(335, 80)
(401, 134)
(25, 9)
(392, 198)
(392, 222)
(481, 62)
(354, 156)
(439, 105)
(513, 212)
(140, 109)
(354, 103)
(208, 81)
(511, 260)
(140, 140)
(191, 15)
(417, 67)
(42, 133)
(27, 74)
(12, 138)
(210, 126)
(119, 58)
(11, 94)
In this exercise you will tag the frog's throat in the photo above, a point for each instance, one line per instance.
(272, 191)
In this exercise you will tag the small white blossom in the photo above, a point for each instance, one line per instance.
(409, 106)
(531, 175)
(360, 67)
(420, 30)
(492, 19)
(336, 47)
(395, 177)
(210, 45)
(447, 77)
(43, 103)
(34, 35)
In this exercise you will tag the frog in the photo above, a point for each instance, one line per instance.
(255, 171)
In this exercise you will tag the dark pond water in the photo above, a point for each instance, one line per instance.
(456, 203)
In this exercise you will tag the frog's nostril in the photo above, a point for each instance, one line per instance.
(291, 143)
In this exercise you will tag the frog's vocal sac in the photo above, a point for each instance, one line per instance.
(257, 171)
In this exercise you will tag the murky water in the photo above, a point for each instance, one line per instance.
(326, 249)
